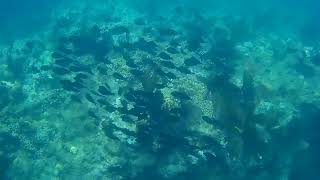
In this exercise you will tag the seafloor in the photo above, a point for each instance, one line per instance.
(109, 92)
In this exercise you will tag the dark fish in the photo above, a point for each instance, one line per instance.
(180, 95)
(57, 55)
(124, 103)
(78, 85)
(80, 76)
(174, 43)
(118, 76)
(110, 108)
(148, 30)
(125, 131)
(171, 75)
(305, 69)
(140, 21)
(146, 46)
(136, 72)
(138, 111)
(316, 59)
(104, 91)
(60, 70)
(35, 69)
(119, 30)
(92, 114)
(210, 157)
(207, 119)
(107, 86)
(62, 62)
(160, 72)
(160, 85)
(90, 98)
(76, 98)
(108, 130)
(63, 48)
(130, 96)
(96, 94)
(172, 50)
(103, 102)
(80, 68)
(168, 64)
(45, 68)
(213, 121)
(191, 61)
(165, 56)
(176, 111)
(130, 62)
(68, 85)
(79, 82)
(184, 70)
(129, 118)
(102, 70)
(123, 110)
(167, 32)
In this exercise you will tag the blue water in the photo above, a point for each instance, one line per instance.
(159, 89)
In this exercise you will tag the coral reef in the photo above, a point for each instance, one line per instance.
(110, 91)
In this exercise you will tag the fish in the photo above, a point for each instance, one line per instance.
(92, 114)
(139, 111)
(90, 98)
(172, 50)
(178, 111)
(78, 85)
(57, 55)
(191, 61)
(118, 30)
(62, 62)
(129, 95)
(103, 102)
(168, 64)
(140, 21)
(69, 86)
(80, 76)
(165, 56)
(109, 107)
(171, 75)
(80, 68)
(207, 119)
(136, 72)
(184, 70)
(167, 32)
(108, 131)
(146, 46)
(118, 76)
(76, 98)
(180, 95)
(60, 70)
(129, 118)
(174, 43)
(130, 62)
(104, 91)
(45, 68)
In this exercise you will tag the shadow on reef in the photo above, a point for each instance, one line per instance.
(8, 146)
(306, 162)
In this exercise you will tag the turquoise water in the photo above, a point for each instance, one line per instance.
(162, 89)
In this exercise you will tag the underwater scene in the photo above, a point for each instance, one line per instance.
(159, 90)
